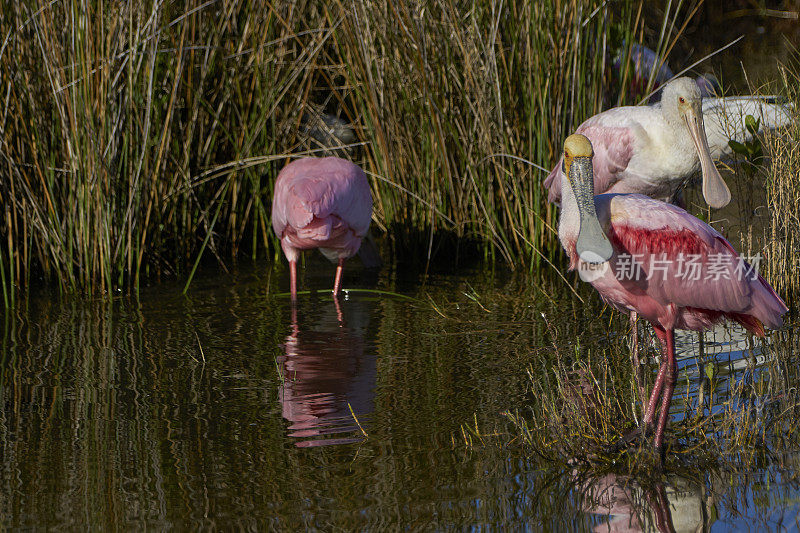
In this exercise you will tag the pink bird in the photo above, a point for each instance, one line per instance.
(651, 150)
(654, 259)
(321, 203)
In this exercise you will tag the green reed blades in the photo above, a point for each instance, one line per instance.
(138, 137)
(113, 111)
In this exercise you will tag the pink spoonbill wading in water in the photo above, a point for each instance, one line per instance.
(655, 259)
(321, 203)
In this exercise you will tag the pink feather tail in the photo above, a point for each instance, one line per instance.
(767, 305)
(318, 229)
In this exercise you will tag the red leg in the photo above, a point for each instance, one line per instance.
(669, 387)
(337, 282)
(652, 403)
(293, 279)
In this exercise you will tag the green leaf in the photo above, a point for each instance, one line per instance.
(738, 147)
(752, 124)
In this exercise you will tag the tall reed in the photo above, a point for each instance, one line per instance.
(138, 137)
(782, 248)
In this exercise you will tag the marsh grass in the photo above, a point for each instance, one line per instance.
(133, 134)
(783, 193)
(585, 404)
(137, 138)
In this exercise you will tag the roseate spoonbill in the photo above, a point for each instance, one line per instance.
(321, 203)
(654, 259)
(651, 150)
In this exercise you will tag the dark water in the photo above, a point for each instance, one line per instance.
(221, 409)
(224, 409)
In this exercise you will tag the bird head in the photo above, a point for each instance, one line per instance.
(682, 101)
(592, 245)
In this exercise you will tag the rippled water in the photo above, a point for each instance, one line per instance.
(226, 409)
(229, 409)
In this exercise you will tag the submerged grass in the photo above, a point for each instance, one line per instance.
(732, 419)
(138, 137)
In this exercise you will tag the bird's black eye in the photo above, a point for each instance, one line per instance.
(681, 99)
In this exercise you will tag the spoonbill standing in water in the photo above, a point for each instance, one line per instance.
(653, 150)
(655, 259)
(321, 203)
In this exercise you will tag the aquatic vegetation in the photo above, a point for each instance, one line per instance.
(782, 237)
(163, 409)
(733, 409)
(140, 138)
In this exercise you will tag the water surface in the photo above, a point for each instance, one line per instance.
(225, 407)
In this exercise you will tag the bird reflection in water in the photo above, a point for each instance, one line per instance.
(328, 369)
(676, 506)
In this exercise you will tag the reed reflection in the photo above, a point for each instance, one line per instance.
(328, 369)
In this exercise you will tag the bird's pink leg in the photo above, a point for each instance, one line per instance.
(293, 279)
(652, 403)
(337, 282)
(669, 379)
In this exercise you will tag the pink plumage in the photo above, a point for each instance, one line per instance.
(321, 203)
(614, 147)
(650, 150)
(688, 277)
(657, 261)
(649, 275)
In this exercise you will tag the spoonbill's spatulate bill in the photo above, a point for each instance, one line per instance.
(321, 203)
(651, 150)
(657, 260)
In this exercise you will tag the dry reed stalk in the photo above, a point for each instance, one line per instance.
(782, 250)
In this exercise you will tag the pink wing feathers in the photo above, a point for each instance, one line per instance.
(688, 263)
(308, 192)
(613, 150)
